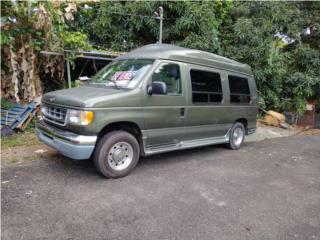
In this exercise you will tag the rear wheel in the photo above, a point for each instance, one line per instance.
(236, 135)
(116, 154)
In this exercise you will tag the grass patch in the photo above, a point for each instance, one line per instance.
(25, 138)
(6, 103)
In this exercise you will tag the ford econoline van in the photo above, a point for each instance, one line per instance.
(155, 99)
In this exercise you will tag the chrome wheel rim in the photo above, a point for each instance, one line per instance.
(120, 156)
(237, 136)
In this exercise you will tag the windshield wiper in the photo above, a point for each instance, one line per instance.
(115, 83)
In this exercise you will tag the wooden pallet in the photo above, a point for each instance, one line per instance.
(18, 117)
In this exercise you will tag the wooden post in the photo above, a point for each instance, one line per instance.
(69, 74)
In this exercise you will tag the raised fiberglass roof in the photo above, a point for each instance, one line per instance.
(175, 53)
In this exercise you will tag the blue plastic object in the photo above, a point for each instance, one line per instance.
(16, 115)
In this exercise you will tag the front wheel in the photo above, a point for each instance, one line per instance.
(116, 154)
(236, 135)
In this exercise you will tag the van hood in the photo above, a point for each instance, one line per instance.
(79, 96)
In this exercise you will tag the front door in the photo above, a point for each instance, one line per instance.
(164, 114)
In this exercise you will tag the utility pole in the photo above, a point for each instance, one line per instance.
(68, 72)
(159, 15)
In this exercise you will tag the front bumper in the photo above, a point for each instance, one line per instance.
(67, 143)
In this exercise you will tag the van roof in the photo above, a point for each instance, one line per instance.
(175, 53)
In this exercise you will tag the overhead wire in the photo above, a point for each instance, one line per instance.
(132, 14)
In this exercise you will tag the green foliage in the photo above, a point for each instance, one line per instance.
(191, 24)
(74, 40)
(244, 31)
(46, 27)
(5, 38)
(27, 138)
(6, 104)
(27, 27)
(286, 74)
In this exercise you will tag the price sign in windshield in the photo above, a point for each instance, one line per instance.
(123, 76)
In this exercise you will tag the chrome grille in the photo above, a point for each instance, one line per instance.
(54, 114)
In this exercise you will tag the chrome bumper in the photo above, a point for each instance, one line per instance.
(69, 144)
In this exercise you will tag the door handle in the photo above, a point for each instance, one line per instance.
(182, 112)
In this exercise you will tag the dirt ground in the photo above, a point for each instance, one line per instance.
(23, 154)
(309, 132)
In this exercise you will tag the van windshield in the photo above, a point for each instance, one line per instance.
(122, 73)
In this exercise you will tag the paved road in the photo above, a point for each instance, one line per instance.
(266, 190)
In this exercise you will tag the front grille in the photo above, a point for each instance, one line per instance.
(54, 114)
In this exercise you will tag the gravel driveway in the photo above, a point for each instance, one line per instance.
(265, 190)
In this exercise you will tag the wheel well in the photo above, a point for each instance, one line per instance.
(244, 122)
(129, 127)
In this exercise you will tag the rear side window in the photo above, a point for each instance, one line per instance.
(239, 89)
(206, 86)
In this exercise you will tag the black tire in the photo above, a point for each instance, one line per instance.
(103, 148)
(232, 144)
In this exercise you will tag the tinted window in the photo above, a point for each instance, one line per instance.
(239, 89)
(169, 73)
(206, 86)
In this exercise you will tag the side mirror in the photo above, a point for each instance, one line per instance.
(159, 88)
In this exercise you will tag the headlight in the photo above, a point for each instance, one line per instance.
(43, 109)
(80, 117)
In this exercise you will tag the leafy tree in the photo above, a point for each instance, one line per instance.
(279, 40)
(127, 25)
(284, 72)
(27, 28)
(265, 35)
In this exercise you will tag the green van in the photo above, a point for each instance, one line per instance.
(155, 99)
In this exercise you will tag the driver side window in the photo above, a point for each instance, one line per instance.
(169, 73)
